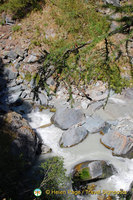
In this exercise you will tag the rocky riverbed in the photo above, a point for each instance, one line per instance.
(94, 136)
(89, 132)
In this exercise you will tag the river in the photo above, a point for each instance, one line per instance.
(89, 149)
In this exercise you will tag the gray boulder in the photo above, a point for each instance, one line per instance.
(93, 171)
(120, 138)
(94, 124)
(73, 136)
(65, 117)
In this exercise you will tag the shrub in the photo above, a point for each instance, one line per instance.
(16, 28)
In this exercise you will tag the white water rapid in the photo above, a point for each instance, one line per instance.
(89, 149)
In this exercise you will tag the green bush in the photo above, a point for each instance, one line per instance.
(54, 178)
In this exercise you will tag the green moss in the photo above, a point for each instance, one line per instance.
(84, 174)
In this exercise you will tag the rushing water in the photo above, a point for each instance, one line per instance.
(89, 149)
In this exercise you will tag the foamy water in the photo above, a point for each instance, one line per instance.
(89, 149)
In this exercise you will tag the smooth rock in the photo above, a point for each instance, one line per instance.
(65, 117)
(73, 136)
(120, 138)
(94, 124)
(93, 170)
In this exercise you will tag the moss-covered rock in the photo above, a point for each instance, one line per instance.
(92, 171)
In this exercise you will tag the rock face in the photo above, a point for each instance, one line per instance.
(73, 136)
(120, 138)
(92, 171)
(24, 142)
(64, 117)
(9, 74)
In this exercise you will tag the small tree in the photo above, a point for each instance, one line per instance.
(55, 178)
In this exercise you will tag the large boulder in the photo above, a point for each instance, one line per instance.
(120, 138)
(94, 124)
(94, 170)
(73, 136)
(65, 117)
(21, 139)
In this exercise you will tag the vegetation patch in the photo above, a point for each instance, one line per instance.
(19, 8)
(84, 174)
